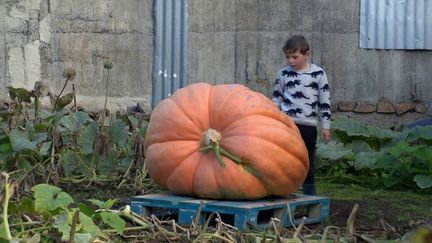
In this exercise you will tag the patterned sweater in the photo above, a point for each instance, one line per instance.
(304, 95)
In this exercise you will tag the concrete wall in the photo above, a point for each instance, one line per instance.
(40, 38)
(229, 41)
(241, 41)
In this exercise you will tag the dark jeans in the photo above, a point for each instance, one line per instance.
(309, 135)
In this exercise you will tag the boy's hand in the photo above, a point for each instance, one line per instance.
(325, 134)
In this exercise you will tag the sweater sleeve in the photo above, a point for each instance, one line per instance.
(278, 90)
(324, 102)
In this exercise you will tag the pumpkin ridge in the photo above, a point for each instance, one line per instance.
(229, 134)
(178, 167)
(260, 115)
(168, 167)
(186, 114)
(219, 108)
(213, 163)
(258, 138)
(280, 166)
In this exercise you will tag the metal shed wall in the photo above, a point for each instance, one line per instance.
(396, 24)
(170, 57)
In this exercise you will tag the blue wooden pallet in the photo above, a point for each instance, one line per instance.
(241, 214)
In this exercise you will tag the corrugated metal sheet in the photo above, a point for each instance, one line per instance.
(170, 54)
(396, 24)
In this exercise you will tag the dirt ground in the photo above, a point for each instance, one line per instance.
(376, 218)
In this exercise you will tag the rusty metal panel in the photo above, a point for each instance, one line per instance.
(170, 54)
(396, 24)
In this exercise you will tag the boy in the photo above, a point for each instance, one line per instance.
(301, 91)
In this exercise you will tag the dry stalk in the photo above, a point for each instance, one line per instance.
(351, 220)
(327, 231)
(297, 233)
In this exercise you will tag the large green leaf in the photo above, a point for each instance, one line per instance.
(423, 181)
(108, 164)
(424, 153)
(103, 205)
(419, 132)
(20, 141)
(356, 128)
(74, 122)
(62, 223)
(333, 151)
(118, 133)
(387, 162)
(366, 160)
(6, 150)
(87, 137)
(113, 220)
(69, 161)
(403, 148)
(49, 198)
(85, 228)
(88, 226)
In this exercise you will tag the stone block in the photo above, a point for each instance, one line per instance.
(402, 108)
(385, 106)
(364, 107)
(346, 106)
(420, 108)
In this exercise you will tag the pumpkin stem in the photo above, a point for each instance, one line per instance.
(211, 141)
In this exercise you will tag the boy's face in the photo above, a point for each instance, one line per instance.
(297, 60)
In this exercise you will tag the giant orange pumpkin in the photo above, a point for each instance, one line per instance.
(224, 142)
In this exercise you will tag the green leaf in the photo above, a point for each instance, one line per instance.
(27, 205)
(425, 154)
(6, 150)
(108, 164)
(360, 146)
(133, 120)
(419, 132)
(113, 220)
(87, 138)
(98, 203)
(333, 151)
(118, 133)
(85, 209)
(356, 128)
(143, 129)
(403, 148)
(74, 122)
(390, 180)
(62, 223)
(45, 148)
(386, 161)
(83, 237)
(423, 181)
(49, 198)
(366, 160)
(103, 205)
(88, 225)
(20, 141)
(24, 164)
(13, 208)
(69, 161)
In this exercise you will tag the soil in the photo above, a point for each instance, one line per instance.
(375, 218)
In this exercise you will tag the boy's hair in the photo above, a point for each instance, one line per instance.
(296, 43)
